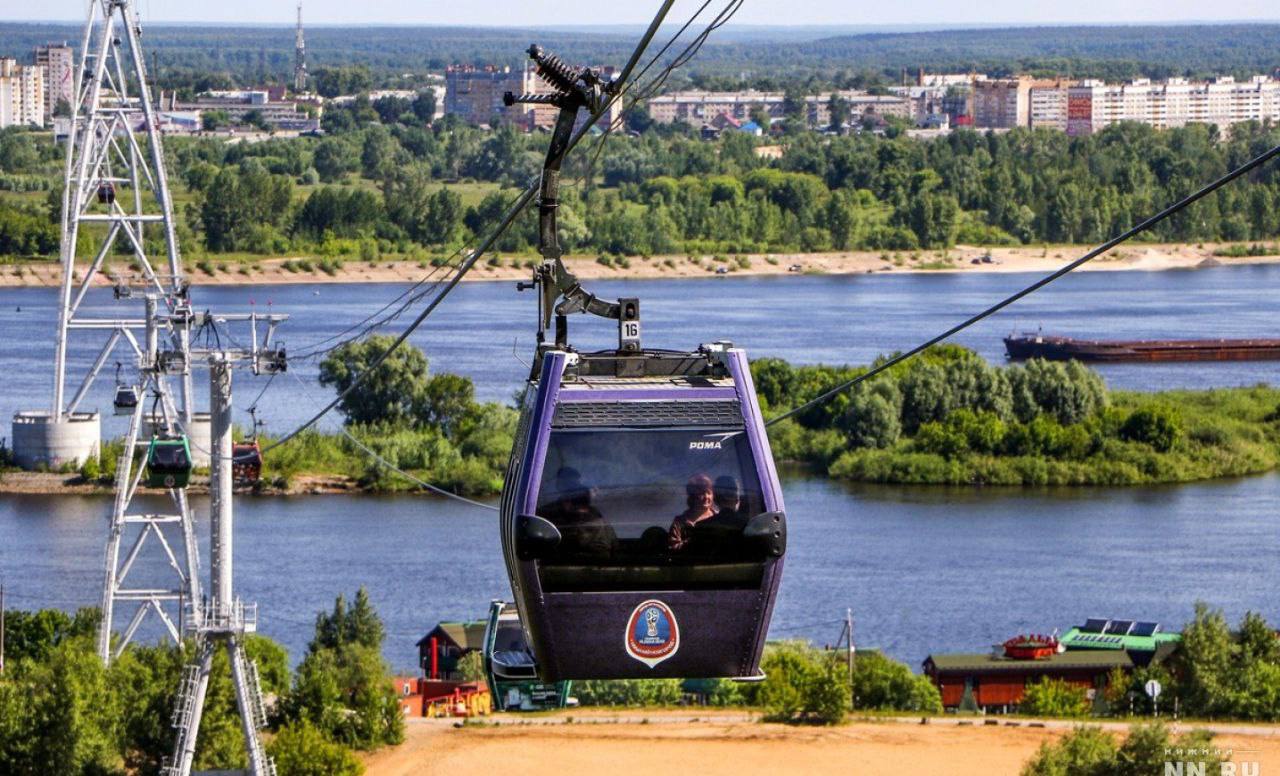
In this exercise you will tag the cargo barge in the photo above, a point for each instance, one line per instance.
(1024, 346)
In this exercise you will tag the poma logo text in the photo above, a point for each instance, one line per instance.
(1202, 769)
(706, 446)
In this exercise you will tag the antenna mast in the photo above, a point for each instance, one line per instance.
(300, 58)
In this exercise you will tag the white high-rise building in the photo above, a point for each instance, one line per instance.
(21, 94)
(58, 62)
(1093, 105)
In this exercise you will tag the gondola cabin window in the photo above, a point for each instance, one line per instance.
(651, 497)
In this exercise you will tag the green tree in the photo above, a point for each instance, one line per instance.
(1085, 751)
(1160, 427)
(471, 666)
(334, 158)
(390, 393)
(803, 684)
(378, 155)
(634, 692)
(424, 106)
(302, 750)
(213, 120)
(1090, 751)
(839, 109)
(887, 685)
(1051, 697)
(342, 686)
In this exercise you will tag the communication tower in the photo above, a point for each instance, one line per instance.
(300, 58)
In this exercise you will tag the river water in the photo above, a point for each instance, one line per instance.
(923, 569)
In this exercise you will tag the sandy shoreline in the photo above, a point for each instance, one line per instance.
(711, 743)
(61, 484)
(1145, 257)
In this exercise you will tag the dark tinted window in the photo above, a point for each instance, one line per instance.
(169, 456)
(650, 497)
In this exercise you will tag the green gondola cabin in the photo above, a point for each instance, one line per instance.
(169, 462)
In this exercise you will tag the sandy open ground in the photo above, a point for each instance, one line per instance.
(728, 745)
(960, 259)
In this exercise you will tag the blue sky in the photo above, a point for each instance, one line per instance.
(595, 12)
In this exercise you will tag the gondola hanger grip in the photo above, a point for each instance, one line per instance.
(561, 295)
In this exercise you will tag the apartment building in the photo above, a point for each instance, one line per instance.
(701, 107)
(1002, 103)
(475, 93)
(58, 62)
(1048, 106)
(1093, 105)
(21, 94)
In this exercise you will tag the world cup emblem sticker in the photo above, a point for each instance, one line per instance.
(652, 633)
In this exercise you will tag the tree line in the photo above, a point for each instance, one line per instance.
(384, 181)
(62, 711)
(949, 417)
(227, 56)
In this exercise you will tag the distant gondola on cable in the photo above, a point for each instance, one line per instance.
(246, 462)
(642, 517)
(106, 193)
(169, 462)
(126, 399)
(246, 456)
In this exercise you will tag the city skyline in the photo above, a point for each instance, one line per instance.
(760, 12)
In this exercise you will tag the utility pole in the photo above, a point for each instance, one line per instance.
(846, 640)
(225, 620)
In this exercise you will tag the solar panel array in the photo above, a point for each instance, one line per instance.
(1145, 629)
(1119, 627)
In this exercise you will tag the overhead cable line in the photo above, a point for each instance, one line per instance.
(1173, 209)
(689, 51)
(516, 208)
(372, 322)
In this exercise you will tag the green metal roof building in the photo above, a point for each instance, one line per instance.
(1125, 635)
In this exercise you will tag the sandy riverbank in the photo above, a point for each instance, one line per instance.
(60, 484)
(962, 259)
(719, 744)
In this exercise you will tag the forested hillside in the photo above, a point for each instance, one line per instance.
(247, 55)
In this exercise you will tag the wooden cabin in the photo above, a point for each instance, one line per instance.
(444, 645)
(995, 682)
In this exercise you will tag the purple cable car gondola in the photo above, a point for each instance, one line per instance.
(643, 522)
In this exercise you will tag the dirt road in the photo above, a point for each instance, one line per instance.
(728, 745)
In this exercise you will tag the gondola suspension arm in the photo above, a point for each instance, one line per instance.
(559, 291)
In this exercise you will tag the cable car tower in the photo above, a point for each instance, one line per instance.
(115, 196)
(223, 619)
(115, 186)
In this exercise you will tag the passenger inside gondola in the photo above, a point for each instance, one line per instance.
(711, 528)
(700, 497)
(584, 532)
